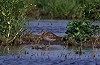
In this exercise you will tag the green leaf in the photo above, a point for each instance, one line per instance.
(3, 13)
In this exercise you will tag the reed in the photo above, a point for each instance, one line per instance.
(12, 19)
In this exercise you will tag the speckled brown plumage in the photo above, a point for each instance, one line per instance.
(49, 36)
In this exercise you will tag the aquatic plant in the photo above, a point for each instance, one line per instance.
(79, 30)
(12, 15)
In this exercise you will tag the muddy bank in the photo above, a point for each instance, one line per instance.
(35, 39)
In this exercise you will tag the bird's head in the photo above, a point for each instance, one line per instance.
(43, 32)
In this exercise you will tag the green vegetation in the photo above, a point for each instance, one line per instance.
(66, 9)
(12, 15)
(80, 31)
(62, 9)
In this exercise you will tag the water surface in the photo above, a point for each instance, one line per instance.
(56, 26)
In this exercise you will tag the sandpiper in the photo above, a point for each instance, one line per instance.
(48, 36)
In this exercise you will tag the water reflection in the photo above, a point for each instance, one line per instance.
(56, 55)
(55, 51)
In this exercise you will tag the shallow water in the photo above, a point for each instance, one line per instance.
(56, 26)
(56, 55)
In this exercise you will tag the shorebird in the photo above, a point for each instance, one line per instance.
(49, 36)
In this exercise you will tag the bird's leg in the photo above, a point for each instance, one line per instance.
(49, 43)
(48, 46)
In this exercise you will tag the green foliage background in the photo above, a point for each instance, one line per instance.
(69, 9)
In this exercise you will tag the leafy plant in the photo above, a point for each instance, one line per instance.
(81, 30)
